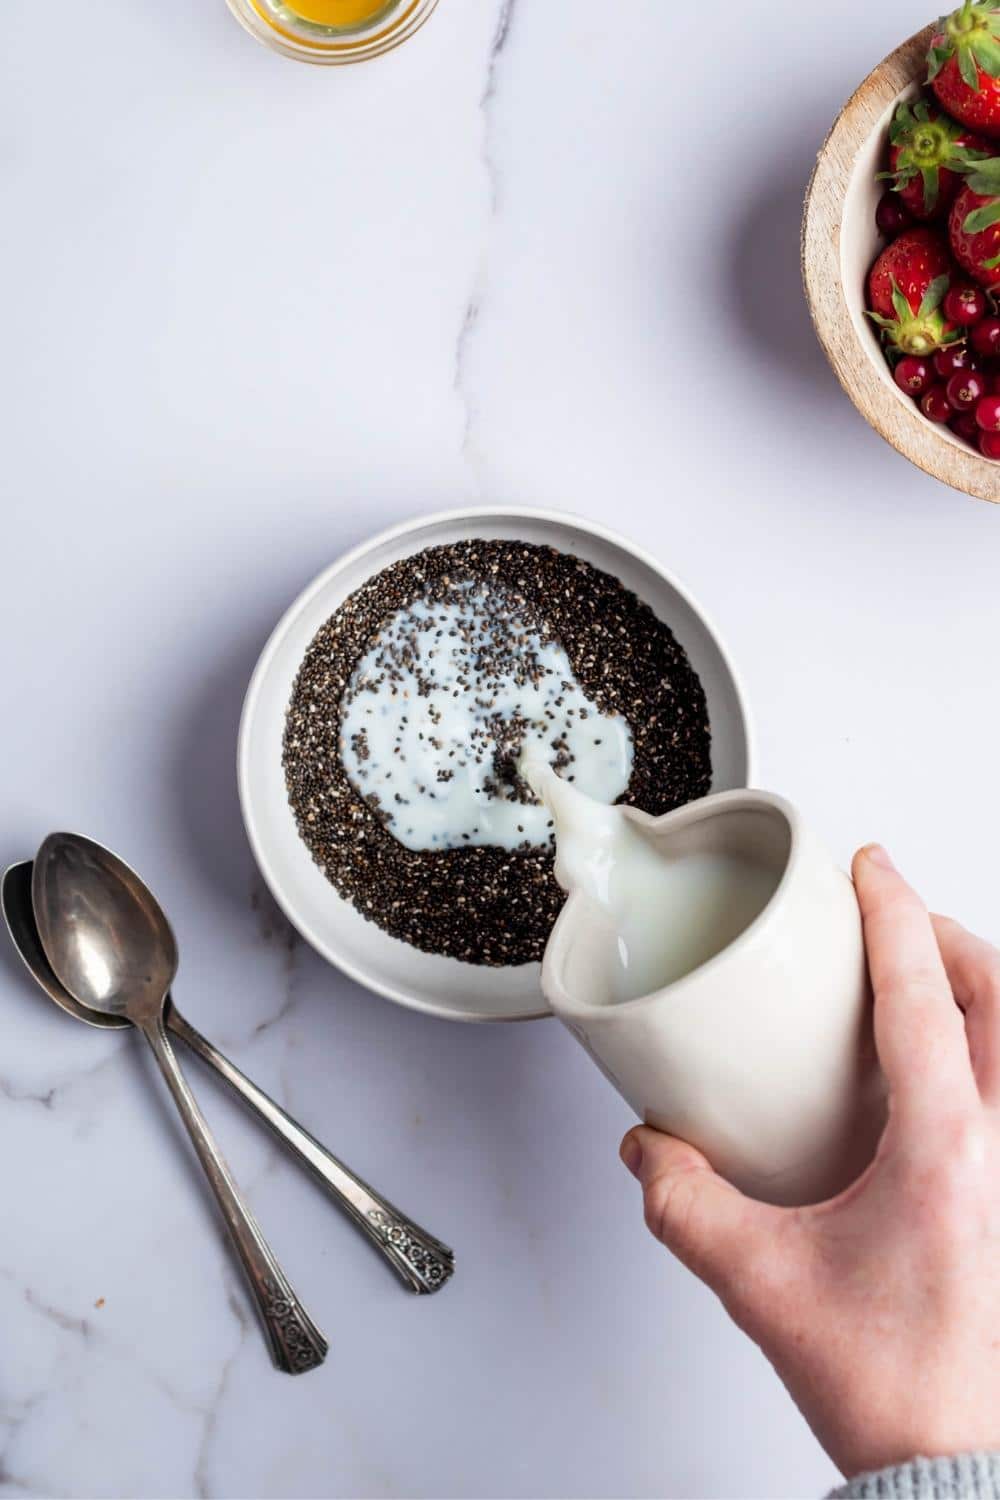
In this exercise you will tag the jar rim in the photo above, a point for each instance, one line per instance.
(382, 34)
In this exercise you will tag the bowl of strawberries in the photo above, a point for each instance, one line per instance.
(901, 248)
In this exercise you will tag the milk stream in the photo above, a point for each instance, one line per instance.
(666, 914)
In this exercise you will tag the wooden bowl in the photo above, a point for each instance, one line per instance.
(839, 243)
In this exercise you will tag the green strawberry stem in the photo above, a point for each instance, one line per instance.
(984, 177)
(983, 217)
(971, 35)
(924, 145)
(919, 332)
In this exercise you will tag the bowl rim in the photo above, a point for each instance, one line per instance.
(897, 421)
(273, 644)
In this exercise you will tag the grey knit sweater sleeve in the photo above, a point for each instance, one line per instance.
(971, 1476)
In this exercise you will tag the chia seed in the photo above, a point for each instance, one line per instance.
(483, 904)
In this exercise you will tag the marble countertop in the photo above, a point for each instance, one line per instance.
(254, 311)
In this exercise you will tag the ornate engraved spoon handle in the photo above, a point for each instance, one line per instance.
(421, 1262)
(296, 1342)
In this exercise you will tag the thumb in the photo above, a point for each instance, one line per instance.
(717, 1232)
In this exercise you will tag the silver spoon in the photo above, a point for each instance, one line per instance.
(422, 1263)
(112, 947)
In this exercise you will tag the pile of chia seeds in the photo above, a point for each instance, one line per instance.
(483, 904)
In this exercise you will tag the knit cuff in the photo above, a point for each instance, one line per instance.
(970, 1476)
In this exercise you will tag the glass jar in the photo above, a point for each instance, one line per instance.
(282, 28)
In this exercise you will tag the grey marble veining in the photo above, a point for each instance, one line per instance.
(467, 328)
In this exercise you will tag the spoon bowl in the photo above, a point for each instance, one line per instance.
(15, 901)
(102, 929)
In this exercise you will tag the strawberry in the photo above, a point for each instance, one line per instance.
(927, 154)
(974, 224)
(906, 286)
(963, 65)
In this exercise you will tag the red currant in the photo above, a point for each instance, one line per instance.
(988, 413)
(952, 358)
(965, 388)
(985, 336)
(913, 375)
(892, 216)
(934, 404)
(989, 444)
(965, 304)
(965, 424)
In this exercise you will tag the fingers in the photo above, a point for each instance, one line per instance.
(919, 1031)
(720, 1235)
(973, 969)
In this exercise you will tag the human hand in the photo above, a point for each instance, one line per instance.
(879, 1309)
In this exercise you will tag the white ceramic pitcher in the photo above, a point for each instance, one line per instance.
(763, 1057)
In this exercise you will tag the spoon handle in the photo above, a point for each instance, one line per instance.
(296, 1343)
(421, 1262)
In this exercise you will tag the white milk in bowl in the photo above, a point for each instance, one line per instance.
(449, 690)
(667, 913)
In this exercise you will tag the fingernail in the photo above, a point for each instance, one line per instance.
(878, 856)
(631, 1154)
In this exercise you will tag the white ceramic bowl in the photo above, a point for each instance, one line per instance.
(839, 244)
(442, 986)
